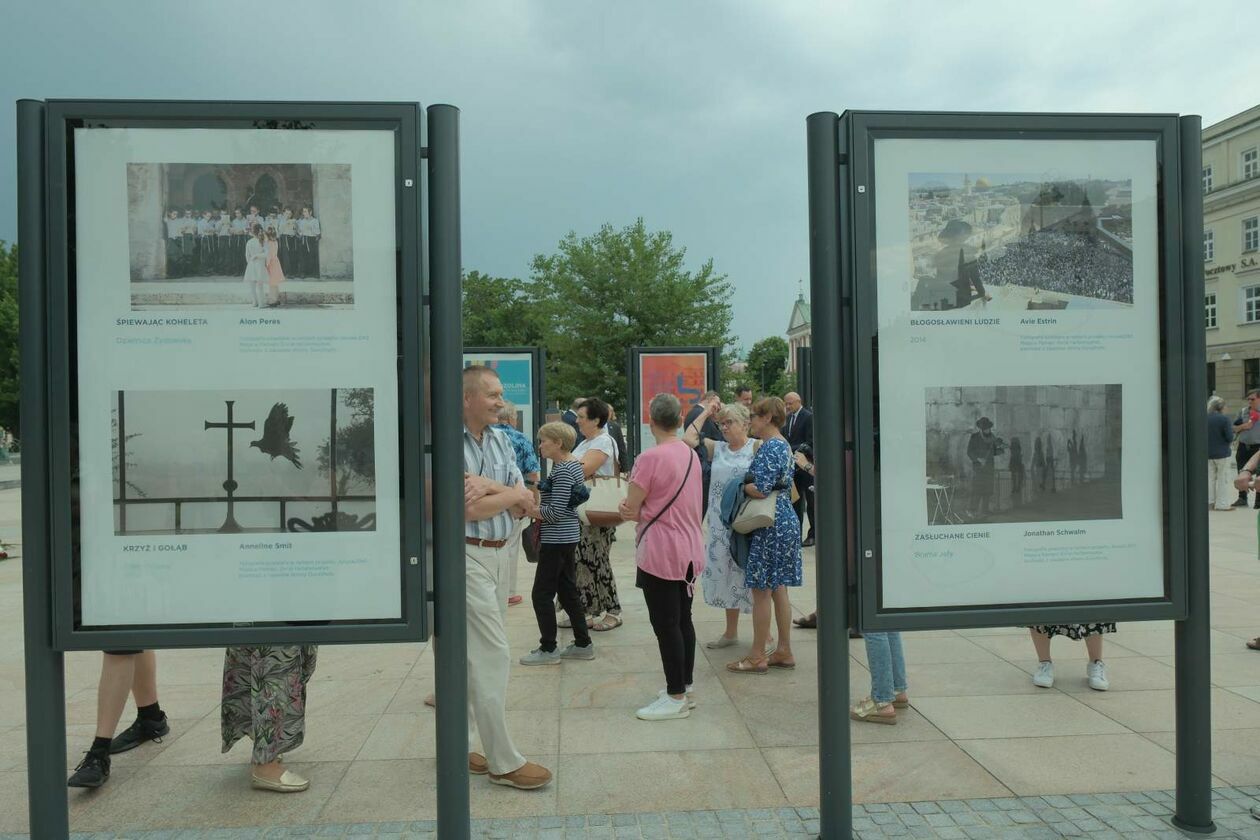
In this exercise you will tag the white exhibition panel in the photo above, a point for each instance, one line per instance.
(257, 358)
(1095, 536)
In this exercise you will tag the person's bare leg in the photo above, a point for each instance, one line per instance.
(117, 675)
(1093, 646)
(761, 624)
(783, 618)
(144, 683)
(732, 625)
(1041, 643)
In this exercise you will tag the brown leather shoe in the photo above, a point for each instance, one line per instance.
(477, 764)
(529, 776)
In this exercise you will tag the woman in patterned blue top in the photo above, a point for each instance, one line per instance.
(774, 554)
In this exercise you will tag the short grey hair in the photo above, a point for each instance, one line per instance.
(736, 413)
(665, 411)
(1215, 403)
(507, 414)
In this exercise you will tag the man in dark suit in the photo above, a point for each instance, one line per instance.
(619, 438)
(799, 429)
(570, 417)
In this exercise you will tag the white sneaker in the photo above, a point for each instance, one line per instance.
(691, 696)
(1044, 678)
(664, 707)
(1096, 672)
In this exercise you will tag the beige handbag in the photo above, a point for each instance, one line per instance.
(755, 514)
(607, 493)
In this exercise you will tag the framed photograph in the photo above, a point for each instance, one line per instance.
(1008, 329)
(221, 236)
(686, 372)
(234, 455)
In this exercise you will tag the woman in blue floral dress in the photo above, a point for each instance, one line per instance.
(774, 554)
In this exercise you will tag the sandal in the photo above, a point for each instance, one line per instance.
(785, 664)
(809, 622)
(901, 704)
(1254, 644)
(748, 665)
(868, 711)
(602, 625)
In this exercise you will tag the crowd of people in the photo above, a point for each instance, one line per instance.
(1070, 263)
(211, 242)
(717, 503)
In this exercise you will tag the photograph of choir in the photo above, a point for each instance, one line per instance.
(1023, 453)
(1020, 241)
(240, 235)
(208, 243)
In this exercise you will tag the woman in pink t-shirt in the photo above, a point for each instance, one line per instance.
(665, 499)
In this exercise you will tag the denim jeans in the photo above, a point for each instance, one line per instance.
(888, 666)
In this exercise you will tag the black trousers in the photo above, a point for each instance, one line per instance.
(555, 575)
(805, 503)
(669, 610)
(1242, 456)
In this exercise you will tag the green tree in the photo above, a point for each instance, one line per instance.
(356, 449)
(499, 312)
(10, 379)
(767, 367)
(601, 294)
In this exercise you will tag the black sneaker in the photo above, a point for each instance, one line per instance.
(139, 732)
(1240, 503)
(92, 772)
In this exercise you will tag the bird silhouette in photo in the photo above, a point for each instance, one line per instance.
(275, 440)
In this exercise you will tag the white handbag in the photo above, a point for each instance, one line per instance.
(602, 509)
(755, 513)
(607, 494)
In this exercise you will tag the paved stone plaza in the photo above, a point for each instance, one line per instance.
(983, 753)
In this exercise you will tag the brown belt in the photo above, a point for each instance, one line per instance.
(485, 543)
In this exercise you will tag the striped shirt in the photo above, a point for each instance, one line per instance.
(560, 522)
(495, 459)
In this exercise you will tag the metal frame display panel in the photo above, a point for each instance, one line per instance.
(538, 372)
(61, 119)
(859, 132)
(633, 355)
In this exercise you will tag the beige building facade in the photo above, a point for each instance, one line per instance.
(798, 331)
(1231, 254)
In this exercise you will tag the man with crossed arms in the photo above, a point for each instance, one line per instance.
(494, 495)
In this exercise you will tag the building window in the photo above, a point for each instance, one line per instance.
(1251, 304)
(1209, 309)
(1251, 163)
(1251, 375)
(1251, 233)
(1207, 179)
(1211, 377)
(1209, 246)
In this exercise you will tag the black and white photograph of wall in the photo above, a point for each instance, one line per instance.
(1020, 241)
(1023, 453)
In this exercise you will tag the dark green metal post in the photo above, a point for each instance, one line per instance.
(834, 758)
(446, 397)
(45, 672)
(1193, 639)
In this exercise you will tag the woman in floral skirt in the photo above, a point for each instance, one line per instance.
(264, 698)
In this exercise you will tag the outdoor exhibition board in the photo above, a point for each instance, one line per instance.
(1016, 418)
(520, 369)
(240, 365)
(685, 372)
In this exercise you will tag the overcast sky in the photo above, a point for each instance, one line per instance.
(689, 114)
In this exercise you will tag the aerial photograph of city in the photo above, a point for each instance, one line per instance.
(1020, 241)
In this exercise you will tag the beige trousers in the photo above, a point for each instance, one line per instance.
(513, 551)
(489, 657)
